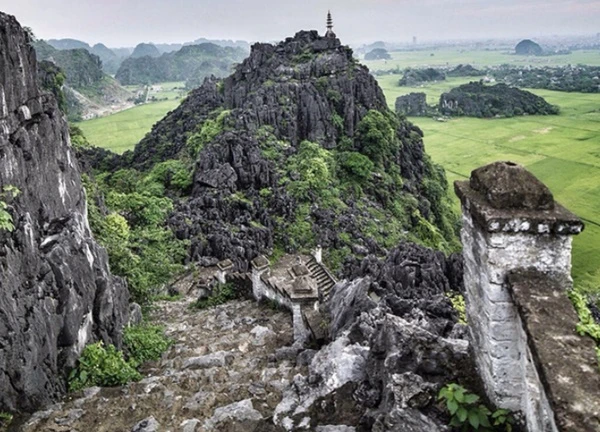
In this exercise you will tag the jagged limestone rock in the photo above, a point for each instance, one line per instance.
(56, 289)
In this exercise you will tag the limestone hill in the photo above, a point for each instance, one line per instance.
(88, 90)
(298, 148)
(476, 99)
(191, 63)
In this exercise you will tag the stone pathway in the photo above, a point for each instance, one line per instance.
(226, 371)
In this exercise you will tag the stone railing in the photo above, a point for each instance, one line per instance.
(517, 250)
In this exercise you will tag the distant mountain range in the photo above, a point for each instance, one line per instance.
(113, 57)
(191, 64)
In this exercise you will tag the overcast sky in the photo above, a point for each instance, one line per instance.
(127, 22)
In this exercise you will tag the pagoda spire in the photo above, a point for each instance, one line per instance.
(330, 32)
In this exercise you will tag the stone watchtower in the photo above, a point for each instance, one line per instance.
(517, 250)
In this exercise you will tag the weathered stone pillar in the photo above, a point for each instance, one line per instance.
(510, 221)
(304, 294)
(318, 254)
(259, 265)
(223, 268)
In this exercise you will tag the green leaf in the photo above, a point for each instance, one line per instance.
(460, 395)
(483, 420)
(444, 393)
(474, 419)
(452, 406)
(461, 413)
(471, 398)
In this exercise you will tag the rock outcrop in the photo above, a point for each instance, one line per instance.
(56, 289)
(413, 104)
(395, 342)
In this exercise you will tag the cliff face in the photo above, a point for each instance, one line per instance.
(56, 290)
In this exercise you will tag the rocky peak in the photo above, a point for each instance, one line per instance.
(56, 290)
(256, 136)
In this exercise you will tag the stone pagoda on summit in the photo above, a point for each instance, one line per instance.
(330, 33)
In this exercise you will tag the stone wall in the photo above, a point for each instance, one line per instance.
(512, 225)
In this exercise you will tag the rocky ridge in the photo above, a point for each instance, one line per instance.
(57, 290)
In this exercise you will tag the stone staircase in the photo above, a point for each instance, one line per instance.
(325, 280)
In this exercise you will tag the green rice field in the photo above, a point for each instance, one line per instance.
(563, 151)
(122, 131)
(478, 58)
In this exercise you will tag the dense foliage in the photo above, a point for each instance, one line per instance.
(127, 213)
(580, 78)
(413, 77)
(105, 366)
(476, 99)
(366, 166)
(207, 131)
(193, 63)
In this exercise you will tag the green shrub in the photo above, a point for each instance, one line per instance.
(78, 139)
(338, 122)
(458, 303)
(587, 325)
(172, 174)
(6, 220)
(377, 137)
(207, 131)
(355, 166)
(468, 414)
(139, 247)
(5, 420)
(221, 294)
(145, 342)
(313, 165)
(271, 148)
(100, 366)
